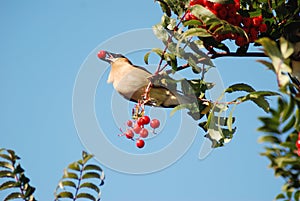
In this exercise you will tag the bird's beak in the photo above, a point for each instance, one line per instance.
(109, 56)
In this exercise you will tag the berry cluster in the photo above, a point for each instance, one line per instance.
(298, 144)
(138, 127)
(229, 12)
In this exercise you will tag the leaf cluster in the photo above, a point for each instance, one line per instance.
(81, 181)
(13, 177)
(281, 135)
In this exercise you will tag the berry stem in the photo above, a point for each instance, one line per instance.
(159, 68)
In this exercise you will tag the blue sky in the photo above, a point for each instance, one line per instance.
(44, 44)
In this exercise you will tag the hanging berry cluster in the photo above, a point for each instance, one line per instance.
(137, 127)
(229, 12)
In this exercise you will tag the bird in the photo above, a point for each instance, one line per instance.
(134, 82)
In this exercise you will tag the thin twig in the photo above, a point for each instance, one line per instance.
(234, 54)
(178, 68)
(158, 70)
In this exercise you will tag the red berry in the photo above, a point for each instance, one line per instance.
(146, 120)
(238, 19)
(263, 28)
(208, 4)
(231, 13)
(141, 121)
(237, 5)
(298, 143)
(140, 143)
(129, 123)
(232, 21)
(154, 123)
(137, 128)
(256, 21)
(240, 41)
(253, 32)
(231, 7)
(218, 6)
(144, 133)
(246, 22)
(129, 134)
(222, 13)
(101, 54)
(298, 152)
(196, 2)
(188, 16)
(215, 12)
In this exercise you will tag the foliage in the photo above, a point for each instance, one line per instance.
(281, 135)
(14, 178)
(88, 177)
(78, 177)
(194, 40)
(191, 30)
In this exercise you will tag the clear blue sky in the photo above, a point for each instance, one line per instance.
(44, 43)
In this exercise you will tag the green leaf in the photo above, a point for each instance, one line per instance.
(92, 167)
(18, 169)
(286, 48)
(230, 120)
(158, 51)
(74, 166)
(86, 156)
(6, 165)
(285, 160)
(86, 196)
(289, 125)
(280, 196)
(192, 23)
(23, 179)
(65, 194)
(271, 49)
(13, 155)
(90, 186)
(297, 195)
(258, 94)
(5, 173)
(288, 111)
(165, 7)
(146, 57)
(262, 103)
(239, 87)
(200, 32)
(269, 138)
(202, 56)
(269, 65)
(70, 175)
(7, 157)
(160, 32)
(13, 196)
(91, 175)
(7, 184)
(29, 191)
(63, 184)
(202, 13)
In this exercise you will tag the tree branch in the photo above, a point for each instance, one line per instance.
(234, 54)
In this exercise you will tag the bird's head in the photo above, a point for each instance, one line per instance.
(109, 56)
